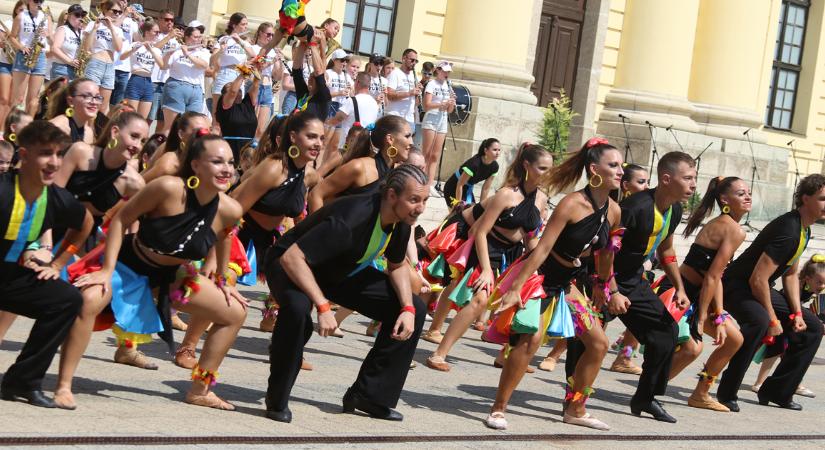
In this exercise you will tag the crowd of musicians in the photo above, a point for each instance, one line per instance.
(106, 226)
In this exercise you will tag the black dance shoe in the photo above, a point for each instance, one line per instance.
(792, 405)
(34, 397)
(284, 416)
(732, 405)
(353, 401)
(655, 409)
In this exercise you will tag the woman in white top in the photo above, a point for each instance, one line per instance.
(28, 28)
(439, 101)
(183, 92)
(107, 40)
(271, 73)
(233, 51)
(378, 82)
(66, 43)
(6, 63)
(340, 87)
(144, 55)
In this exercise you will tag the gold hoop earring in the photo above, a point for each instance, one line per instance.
(392, 152)
(69, 112)
(193, 182)
(591, 181)
(726, 209)
(12, 137)
(526, 175)
(182, 145)
(291, 154)
(626, 194)
(112, 143)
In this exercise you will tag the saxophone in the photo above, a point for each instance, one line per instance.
(37, 43)
(83, 56)
(9, 49)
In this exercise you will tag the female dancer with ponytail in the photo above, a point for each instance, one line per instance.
(701, 272)
(167, 161)
(181, 218)
(501, 224)
(74, 109)
(585, 222)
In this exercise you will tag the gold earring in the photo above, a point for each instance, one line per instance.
(193, 182)
(392, 152)
(12, 137)
(626, 194)
(526, 175)
(591, 181)
(291, 154)
(112, 143)
(725, 209)
(182, 145)
(70, 112)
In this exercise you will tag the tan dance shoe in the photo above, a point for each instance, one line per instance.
(710, 404)
(210, 400)
(548, 364)
(185, 357)
(624, 365)
(132, 357)
(432, 336)
(586, 421)
(438, 363)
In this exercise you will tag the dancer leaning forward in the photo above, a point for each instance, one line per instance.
(585, 222)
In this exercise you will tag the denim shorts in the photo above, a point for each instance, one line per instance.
(62, 70)
(435, 121)
(289, 103)
(101, 72)
(180, 96)
(156, 112)
(140, 88)
(121, 80)
(265, 95)
(5, 68)
(38, 69)
(227, 74)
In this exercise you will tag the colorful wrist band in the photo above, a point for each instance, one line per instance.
(409, 309)
(323, 307)
(795, 315)
(71, 249)
(774, 323)
(668, 260)
(721, 318)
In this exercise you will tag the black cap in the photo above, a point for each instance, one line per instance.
(179, 23)
(377, 60)
(76, 9)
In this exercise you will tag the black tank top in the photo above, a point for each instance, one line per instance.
(700, 257)
(288, 199)
(96, 186)
(592, 232)
(75, 132)
(525, 215)
(187, 235)
(371, 188)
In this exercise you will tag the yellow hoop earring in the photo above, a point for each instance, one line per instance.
(112, 143)
(626, 194)
(296, 149)
(392, 152)
(193, 182)
(726, 209)
(591, 181)
(182, 145)
(526, 175)
(70, 112)
(12, 137)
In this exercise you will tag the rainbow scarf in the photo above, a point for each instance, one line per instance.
(25, 221)
(656, 239)
(804, 237)
(376, 247)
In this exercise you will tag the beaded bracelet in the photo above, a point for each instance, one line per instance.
(605, 285)
(721, 318)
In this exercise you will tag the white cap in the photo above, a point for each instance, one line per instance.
(445, 66)
(196, 24)
(339, 54)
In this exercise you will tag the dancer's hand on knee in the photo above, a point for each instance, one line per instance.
(618, 304)
(484, 282)
(508, 300)
(799, 324)
(231, 293)
(721, 334)
(404, 326)
(101, 277)
(775, 329)
(46, 272)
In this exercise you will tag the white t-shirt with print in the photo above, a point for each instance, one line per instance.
(402, 82)
(103, 39)
(182, 68)
(130, 31)
(440, 91)
(234, 53)
(160, 76)
(376, 83)
(141, 60)
(338, 82)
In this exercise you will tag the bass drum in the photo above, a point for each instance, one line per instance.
(463, 105)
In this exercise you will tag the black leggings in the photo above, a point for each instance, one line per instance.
(753, 322)
(369, 292)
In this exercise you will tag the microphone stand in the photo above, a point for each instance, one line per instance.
(670, 129)
(627, 153)
(795, 166)
(655, 154)
(699, 159)
(444, 146)
(748, 226)
(556, 133)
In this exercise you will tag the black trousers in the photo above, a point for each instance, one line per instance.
(753, 323)
(369, 292)
(54, 305)
(654, 327)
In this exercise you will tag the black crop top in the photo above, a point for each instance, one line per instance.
(699, 257)
(371, 188)
(525, 215)
(188, 235)
(76, 133)
(97, 186)
(592, 232)
(288, 199)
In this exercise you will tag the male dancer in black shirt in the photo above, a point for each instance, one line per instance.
(331, 256)
(30, 286)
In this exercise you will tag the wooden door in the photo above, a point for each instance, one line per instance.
(557, 52)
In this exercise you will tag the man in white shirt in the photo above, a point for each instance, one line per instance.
(403, 90)
(364, 110)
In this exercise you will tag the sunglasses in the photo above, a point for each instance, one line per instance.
(168, 19)
(269, 34)
(116, 12)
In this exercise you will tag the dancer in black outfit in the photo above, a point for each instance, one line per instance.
(326, 258)
(650, 218)
(763, 311)
(29, 285)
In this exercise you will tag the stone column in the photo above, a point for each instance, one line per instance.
(654, 66)
(728, 65)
